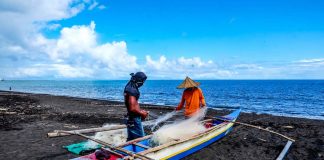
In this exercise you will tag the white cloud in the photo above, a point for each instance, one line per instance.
(93, 5)
(28, 72)
(53, 26)
(101, 7)
(160, 64)
(67, 71)
(247, 66)
(181, 67)
(316, 62)
(74, 40)
(181, 63)
(52, 70)
(115, 57)
(27, 17)
(193, 62)
(80, 41)
(75, 47)
(76, 53)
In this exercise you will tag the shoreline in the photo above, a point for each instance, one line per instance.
(169, 107)
(37, 114)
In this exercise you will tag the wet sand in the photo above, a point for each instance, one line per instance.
(26, 118)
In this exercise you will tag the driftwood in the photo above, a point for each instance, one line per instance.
(59, 133)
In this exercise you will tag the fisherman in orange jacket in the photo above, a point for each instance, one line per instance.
(192, 96)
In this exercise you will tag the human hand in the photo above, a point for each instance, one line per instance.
(144, 114)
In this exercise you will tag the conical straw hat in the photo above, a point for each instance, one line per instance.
(188, 83)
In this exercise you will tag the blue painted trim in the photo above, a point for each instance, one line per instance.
(232, 116)
(199, 147)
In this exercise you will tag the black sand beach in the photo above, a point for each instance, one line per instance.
(26, 118)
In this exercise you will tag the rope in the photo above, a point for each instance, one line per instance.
(253, 126)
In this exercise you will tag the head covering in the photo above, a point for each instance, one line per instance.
(188, 83)
(136, 81)
(102, 154)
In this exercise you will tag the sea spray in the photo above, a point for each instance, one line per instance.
(114, 137)
(179, 129)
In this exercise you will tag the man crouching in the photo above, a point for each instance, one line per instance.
(134, 114)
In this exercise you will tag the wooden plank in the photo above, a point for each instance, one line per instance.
(284, 151)
(59, 133)
(141, 145)
(135, 140)
(136, 155)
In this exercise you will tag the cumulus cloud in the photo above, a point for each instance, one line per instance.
(75, 53)
(28, 72)
(61, 70)
(181, 67)
(26, 52)
(22, 19)
(68, 71)
(74, 40)
(79, 43)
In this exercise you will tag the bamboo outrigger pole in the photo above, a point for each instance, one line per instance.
(136, 155)
(282, 153)
(59, 133)
(253, 126)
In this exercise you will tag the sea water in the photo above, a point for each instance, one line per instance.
(295, 98)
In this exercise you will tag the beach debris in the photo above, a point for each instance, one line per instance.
(288, 127)
(262, 139)
(70, 126)
(8, 113)
(3, 109)
(179, 129)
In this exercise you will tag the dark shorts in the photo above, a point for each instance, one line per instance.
(134, 128)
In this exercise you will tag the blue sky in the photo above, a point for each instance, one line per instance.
(208, 39)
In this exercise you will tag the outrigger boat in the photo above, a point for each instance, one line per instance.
(176, 149)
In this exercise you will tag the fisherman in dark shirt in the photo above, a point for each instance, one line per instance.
(135, 115)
